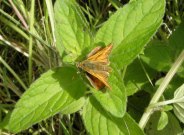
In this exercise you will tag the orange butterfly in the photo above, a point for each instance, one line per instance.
(97, 66)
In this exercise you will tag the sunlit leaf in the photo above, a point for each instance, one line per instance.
(163, 121)
(130, 28)
(58, 90)
(114, 99)
(72, 32)
(100, 122)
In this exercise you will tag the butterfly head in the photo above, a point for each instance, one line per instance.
(80, 65)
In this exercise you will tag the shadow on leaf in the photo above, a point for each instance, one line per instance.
(70, 81)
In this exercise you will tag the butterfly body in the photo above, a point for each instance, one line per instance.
(97, 66)
(88, 65)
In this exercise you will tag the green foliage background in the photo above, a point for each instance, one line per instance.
(61, 101)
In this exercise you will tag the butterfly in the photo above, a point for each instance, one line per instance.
(97, 66)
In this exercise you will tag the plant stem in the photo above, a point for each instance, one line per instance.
(18, 14)
(146, 73)
(163, 103)
(167, 102)
(51, 18)
(31, 40)
(145, 117)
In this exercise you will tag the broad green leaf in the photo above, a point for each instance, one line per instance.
(157, 56)
(172, 128)
(160, 55)
(179, 106)
(130, 28)
(163, 121)
(100, 122)
(176, 42)
(135, 76)
(58, 90)
(72, 32)
(114, 99)
(176, 45)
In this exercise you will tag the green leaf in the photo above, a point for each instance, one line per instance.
(176, 42)
(163, 121)
(135, 76)
(157, 56)
(167, 108)
(130, 28)
(58, 90)
(99, 122)
(172, 128)
(176, 45)
(160, 55)
(114, 99)
(72, 32)
(179, 106)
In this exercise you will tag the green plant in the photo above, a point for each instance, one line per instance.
(63, 90)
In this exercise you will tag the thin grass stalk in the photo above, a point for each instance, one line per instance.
(13, 45)
(13, 26)
(18, 14)
(8, 84)
(31, 40)
(13, 73)
(146, 73)
(9, 17)
(22, 8)
(42, 20)
(51, 18)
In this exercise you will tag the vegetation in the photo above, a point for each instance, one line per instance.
(43, 92)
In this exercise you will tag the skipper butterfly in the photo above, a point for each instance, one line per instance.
(97, 66)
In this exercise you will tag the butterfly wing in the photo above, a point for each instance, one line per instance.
(96, 66)
(99, 77)
(101, 55)
(95, 82)
(95, 50)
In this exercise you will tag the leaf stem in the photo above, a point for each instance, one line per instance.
(144, 69)
(163, 103)
(145, 117)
